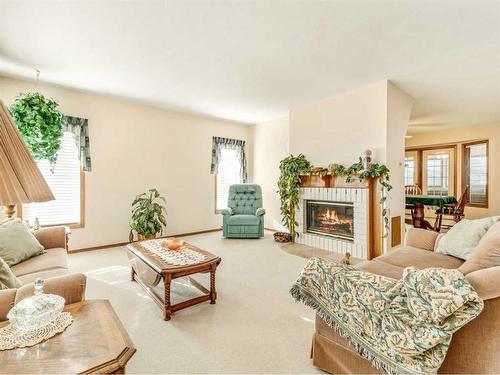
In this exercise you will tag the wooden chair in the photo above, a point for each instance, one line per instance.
(413, 190)
(418, 217)
(454, 212)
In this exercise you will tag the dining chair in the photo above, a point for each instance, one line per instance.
(413, 190)
(454, 212)
(418, 217)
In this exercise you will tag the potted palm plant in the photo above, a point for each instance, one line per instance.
(148, 215)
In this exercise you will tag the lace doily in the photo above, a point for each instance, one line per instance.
(181, 257)
(11, 338)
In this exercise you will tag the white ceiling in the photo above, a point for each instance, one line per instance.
(252, 61)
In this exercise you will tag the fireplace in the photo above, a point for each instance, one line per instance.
(334, 219)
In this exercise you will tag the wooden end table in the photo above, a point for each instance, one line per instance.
(148, 270)
(96, 342)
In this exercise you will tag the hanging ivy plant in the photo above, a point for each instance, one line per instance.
(289, 188)
(40, 123)
(375, 170)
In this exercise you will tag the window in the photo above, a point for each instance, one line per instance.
(65, 183)
(229, 174)
(475, 167)
(437, 174)
(409, 170)
(438, 171)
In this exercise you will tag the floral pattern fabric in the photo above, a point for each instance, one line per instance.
(80, 128)
(401, 326)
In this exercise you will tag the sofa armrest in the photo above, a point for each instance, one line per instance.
(260, 211)
(7, 300)
(52, 237)
(227, 211)
(421, 238)
(485, 282)
(71, 287)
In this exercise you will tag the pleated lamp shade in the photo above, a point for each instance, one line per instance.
(20, 178)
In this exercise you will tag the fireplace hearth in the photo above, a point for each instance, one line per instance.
(334, 219)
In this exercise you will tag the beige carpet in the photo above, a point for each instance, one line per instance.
(255, 327)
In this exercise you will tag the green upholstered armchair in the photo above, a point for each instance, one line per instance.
(244, 216)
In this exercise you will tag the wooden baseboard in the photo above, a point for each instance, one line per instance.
(126, 243)
(270, 230)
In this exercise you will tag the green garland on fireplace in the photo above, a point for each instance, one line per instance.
(357, 171)
(292, 167)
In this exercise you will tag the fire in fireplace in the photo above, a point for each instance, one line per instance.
(333, 219)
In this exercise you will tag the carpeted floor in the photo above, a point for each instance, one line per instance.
(255, 327)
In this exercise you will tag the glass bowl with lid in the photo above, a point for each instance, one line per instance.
(36, 311)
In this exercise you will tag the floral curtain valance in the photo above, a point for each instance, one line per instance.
(219, 143)
(80, 128)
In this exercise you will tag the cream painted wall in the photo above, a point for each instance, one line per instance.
(399, 106)
(458, 135)
(271, 144)
(135, 147)
(340, 128)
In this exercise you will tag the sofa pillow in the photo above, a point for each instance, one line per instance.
(486, 254)
(17, 243)
(7, 279)
(463, 237)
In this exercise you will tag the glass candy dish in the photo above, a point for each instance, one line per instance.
(36, 311)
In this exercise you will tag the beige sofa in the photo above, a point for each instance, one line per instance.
(474, 348)
(52, 267)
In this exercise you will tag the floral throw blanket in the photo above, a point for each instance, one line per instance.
(401, 326)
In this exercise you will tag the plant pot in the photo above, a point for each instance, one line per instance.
(141, 237)
(282, 237)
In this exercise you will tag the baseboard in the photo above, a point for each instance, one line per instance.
(270, 230)
(126, 243)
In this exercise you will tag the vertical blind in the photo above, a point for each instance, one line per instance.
(476, 173)
(228, 174)
(64, 182)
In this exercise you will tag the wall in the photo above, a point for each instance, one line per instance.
(339, 129)
(135, 147)
(271, 144)
(457, 135)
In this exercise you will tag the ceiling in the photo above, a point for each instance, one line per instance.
(252, 61)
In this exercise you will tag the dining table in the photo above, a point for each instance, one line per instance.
(430, 200)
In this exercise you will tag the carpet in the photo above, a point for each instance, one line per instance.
(255, 327)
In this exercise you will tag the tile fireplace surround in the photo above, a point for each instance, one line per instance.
(358, 246)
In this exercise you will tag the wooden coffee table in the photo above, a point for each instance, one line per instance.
(148, 270)
(96, 342)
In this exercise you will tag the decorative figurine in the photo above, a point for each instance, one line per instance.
(346, 259)
(367, 159)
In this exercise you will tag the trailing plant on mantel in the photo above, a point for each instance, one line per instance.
(148, 215)
(292, 167)
(357, 171)
(289, 188)
(40, 123)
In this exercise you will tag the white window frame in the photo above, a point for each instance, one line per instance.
(81, 221)
(216, 176)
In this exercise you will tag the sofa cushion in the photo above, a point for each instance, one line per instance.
(7, 278)
(464, 236)
(486, 254)
(243, 220)
(17, 243)
(411, 256)
(421, 238)
(381, 268)
(50, 260)
(44, 275)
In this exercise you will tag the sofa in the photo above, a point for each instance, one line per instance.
(51, 266)
(244, 216)
(473, 349)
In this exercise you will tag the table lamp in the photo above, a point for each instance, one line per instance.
(20, 179)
